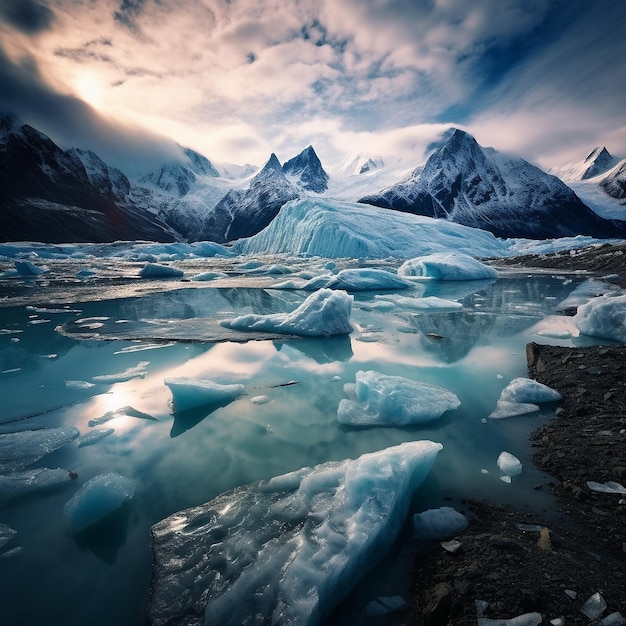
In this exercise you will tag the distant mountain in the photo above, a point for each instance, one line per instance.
(242, 213)
(598, 161)
(614, 183)
(465, 183)
(357, 164)
(49, 196)
(306, 171)
(231, 170)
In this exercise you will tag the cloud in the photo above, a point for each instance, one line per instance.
(28, 16)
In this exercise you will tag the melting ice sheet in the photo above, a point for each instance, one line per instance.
(284, 551)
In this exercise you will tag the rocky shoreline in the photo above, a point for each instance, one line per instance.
(548, 566)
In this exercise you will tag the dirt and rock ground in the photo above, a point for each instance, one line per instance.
(550, 563)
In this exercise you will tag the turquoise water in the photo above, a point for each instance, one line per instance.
(181, 460)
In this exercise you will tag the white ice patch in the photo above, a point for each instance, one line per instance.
(509, 464)
(429, 303)
(439, 523)
(608, 487)
(355, 279)
(447, 266)
(190, 393)
(522, 396)
(98, 498)
(324, 313)
(603, 317)
(288, 550)
(382, 400)
(138, 371)
(19, 450)
(19, 483)
(155, 270)
(208, 276)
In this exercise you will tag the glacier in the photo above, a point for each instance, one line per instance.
(287, 550)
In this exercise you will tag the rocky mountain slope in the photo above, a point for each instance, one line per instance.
(465, 183)
(48, 195)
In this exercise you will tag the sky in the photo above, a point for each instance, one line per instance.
(239, 79)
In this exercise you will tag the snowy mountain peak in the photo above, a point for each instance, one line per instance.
(599, 161)
(357, 164)
(306, 171)
(200, 164)
(475, 186)
(272, 165)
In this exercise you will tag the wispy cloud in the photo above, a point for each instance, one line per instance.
(239, 79)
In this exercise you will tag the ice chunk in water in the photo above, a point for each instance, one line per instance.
(324, 313)
(98, 498)
(528, 390)
(27, 268)
(509, 464)
(504, 409)
(155, 270)
(189, 393)
(121, 412)
(19, 450)
(428, 303)
(92, 437)
(354, 279)
(6, 534)
(138, 371)
(447, 266)
(19, 483)
(383, 400)
(439, 523)
(603, 317)
(288, 550)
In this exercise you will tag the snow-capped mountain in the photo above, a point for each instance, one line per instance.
(598, 161)
(306, 171)
(614, 183)
(357, 164)
(48, 195)
(465, 183)
(242, 213)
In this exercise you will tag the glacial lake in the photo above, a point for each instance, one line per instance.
(60, 337)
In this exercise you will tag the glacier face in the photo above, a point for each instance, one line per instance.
(331, 229)
(284, 551)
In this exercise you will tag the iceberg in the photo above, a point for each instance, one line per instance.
(522, 396)
(355, 279)
(382, 400)
(155, 270)
(190, 393)
(439, 523)
(27, 268)
(337, 229)
(603, 317)
(286, 551)
(19, 450)
(509, 464)
(97, 499)
(447, 266)
(19, 483)
(323, 314)
(528, 390)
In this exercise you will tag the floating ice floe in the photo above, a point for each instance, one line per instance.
(27, 268)
(128, 411)
(285, 551)
(608, 487)
(207, 276)
(138, 371)
(324, 313)
(19, 450)
(439, 523)
(98, 498)
(429, 303)
(19, 483)
(94, 436)
(522, 396)
(155, 270)
(79, 384)
(603, 317)
(382, 400)
(190, 393)
(447, 266)
(509, 464)
(355, 279)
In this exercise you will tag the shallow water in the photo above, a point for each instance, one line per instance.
(180, 460)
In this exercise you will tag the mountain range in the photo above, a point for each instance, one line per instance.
(55, 195)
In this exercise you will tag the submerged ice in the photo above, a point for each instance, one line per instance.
(381, 400)
(288, 550)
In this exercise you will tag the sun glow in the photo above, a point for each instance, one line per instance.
(90, 89)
